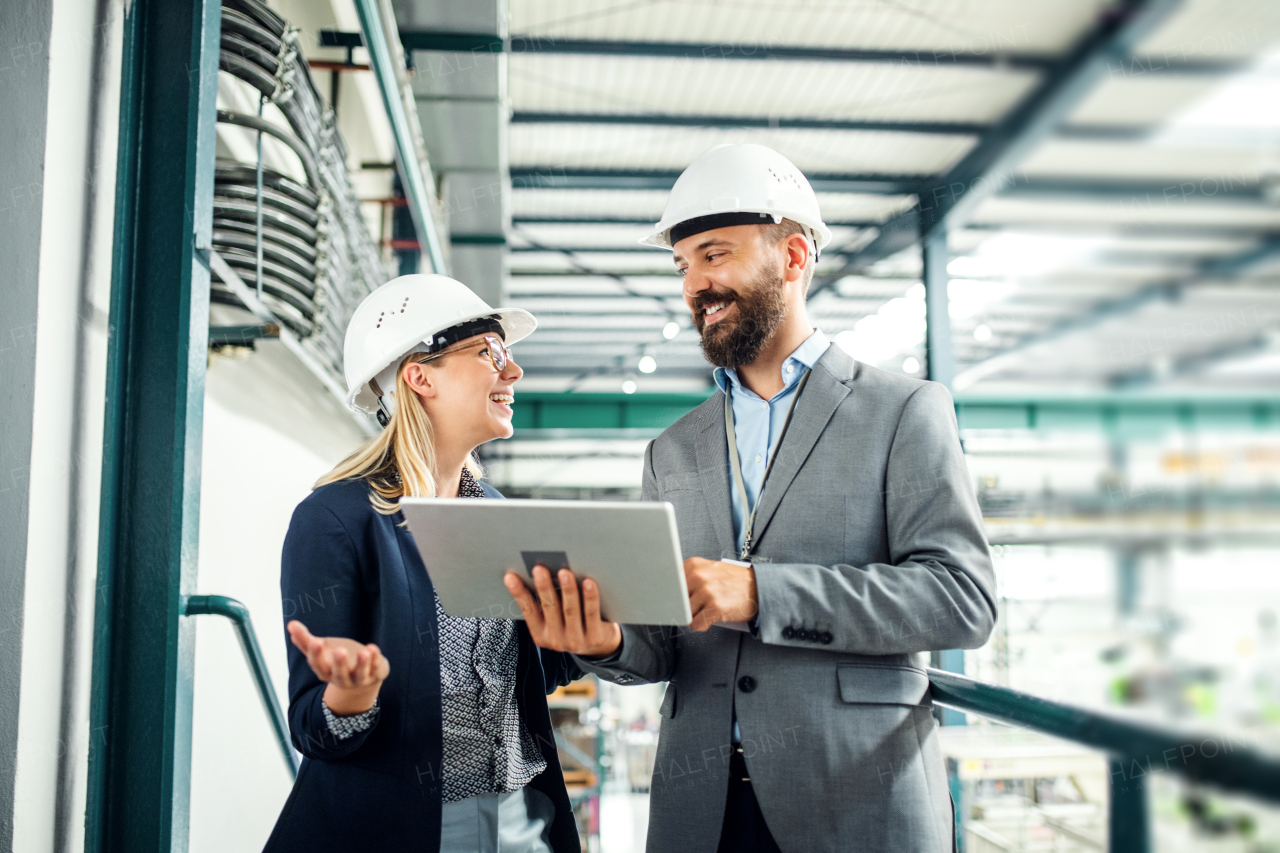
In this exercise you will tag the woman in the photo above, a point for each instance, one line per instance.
(419, 731)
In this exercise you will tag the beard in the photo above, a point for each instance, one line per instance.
(733, 342)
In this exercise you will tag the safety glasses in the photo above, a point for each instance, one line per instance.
(498, 352)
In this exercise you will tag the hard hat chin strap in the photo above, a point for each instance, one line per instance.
(386, 403)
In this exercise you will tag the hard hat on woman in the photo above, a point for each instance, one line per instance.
(415, 313)
(739, 185)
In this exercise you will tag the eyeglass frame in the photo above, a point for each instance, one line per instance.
(497, 348)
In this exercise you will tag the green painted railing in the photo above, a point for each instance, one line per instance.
(220, 605)
(1135, 750)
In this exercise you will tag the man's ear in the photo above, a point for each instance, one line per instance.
(799, 253)
(420, 378)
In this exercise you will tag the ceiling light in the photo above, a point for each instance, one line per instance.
(982, 332)
(647, 364)
(670, 330)
(629, 387)
(911, 364)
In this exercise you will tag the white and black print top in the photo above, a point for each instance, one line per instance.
(487, 746)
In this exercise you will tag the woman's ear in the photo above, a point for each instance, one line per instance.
(418, 377)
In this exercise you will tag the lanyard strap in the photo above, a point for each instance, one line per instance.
(749, 519)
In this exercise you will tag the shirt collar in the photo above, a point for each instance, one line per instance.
(806, 355)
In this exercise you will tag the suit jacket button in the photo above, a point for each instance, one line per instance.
(746, 684)
(806, 635)
(827, 638)
(788, 633)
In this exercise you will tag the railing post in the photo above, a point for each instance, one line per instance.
(1129, 824)
(949, 660)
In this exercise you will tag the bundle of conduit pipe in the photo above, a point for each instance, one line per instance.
(317, 257)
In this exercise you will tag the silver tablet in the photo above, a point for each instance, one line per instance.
(631, 550)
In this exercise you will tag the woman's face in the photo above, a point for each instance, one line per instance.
(471, 400)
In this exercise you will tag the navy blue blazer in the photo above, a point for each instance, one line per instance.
(349, 571)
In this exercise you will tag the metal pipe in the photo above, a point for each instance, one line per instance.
(415, 182)
(264, 126)
(221, 605)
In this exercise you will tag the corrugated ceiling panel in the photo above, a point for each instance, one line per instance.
(560, 83)
(1139, 211)
(559, 202)
(1129, 100)
(1118, 160)
(967, 26)
(619, 147)
(1215, 29)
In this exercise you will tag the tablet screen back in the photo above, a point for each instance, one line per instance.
(630, 549)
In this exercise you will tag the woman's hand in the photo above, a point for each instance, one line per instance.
(353, 672)
(560, 622)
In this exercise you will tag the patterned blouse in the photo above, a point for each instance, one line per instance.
(487, 746)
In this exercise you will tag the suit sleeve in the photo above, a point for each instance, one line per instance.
(319, 564)
(938, 591)
(558, 669)
(648, 652)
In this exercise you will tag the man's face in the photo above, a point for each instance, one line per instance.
(735, 287)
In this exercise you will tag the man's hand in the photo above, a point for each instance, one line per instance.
(353, 672)
(561, 622)
(719, 592)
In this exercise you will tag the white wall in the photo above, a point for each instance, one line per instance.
(270, 431)
(78, 197)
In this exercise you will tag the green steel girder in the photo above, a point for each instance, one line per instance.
(596, 412)
(1124, 416)
(143, 658)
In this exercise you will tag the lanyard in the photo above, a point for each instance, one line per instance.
(749, 521)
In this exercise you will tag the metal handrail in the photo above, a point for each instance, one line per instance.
(221, 605)
(1135, 750)
(1228, 763)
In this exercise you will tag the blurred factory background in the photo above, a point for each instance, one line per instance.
(1068, 212)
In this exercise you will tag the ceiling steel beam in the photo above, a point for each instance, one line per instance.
(566, 177)
(1082, 132)
(764, 122)
(1198, 362)
(1136, 195)
(1152, 230)
(989, 165)
(1165, 291)
(995, 60)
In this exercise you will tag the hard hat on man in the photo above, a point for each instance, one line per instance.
(738, 184)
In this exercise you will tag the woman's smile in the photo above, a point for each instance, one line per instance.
(503, 400)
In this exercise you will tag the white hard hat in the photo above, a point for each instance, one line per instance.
(745, 179)
(405, 315)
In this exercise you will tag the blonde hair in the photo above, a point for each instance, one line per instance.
(405, 447)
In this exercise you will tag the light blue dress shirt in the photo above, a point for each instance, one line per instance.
(757, 423)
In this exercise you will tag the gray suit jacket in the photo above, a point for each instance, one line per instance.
(870, 549)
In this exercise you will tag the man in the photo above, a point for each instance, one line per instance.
(844, 541)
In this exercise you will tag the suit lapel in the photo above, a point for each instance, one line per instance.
(713, 470)
(819, 401)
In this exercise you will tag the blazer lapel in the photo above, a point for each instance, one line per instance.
(713, 470)
(819, 401)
